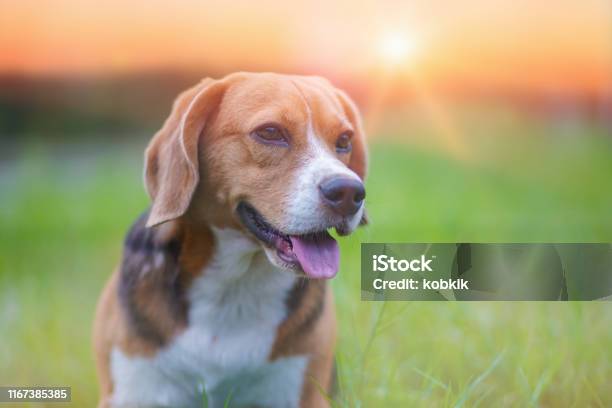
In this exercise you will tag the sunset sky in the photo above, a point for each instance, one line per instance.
(541, 43)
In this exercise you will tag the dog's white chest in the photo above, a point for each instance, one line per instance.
(236, 307)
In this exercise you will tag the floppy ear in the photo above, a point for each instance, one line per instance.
(171, 171)
(359, 155)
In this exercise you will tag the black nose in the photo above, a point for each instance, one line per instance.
(343, 195)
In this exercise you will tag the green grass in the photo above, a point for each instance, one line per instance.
(63, 216)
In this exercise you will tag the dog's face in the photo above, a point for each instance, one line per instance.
(282, 157)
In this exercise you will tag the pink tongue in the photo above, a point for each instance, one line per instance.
(318, 255)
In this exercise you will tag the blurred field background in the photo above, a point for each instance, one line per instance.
(487, 121)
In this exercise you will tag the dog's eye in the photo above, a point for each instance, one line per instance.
(270, 134)
(343, 144)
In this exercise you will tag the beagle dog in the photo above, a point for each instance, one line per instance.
(221, 298)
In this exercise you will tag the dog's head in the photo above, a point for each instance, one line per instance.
(281, 157)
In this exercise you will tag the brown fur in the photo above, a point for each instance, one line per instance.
(197, 168)
(311, 330)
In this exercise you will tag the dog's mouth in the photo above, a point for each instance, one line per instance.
(316, 253)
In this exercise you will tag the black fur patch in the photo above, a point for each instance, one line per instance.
(296, 295)
(150, 288)
(295, 300)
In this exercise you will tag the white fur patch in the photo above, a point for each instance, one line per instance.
(236, 307)
(305, 211)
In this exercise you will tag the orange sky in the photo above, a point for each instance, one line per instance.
(556, 43)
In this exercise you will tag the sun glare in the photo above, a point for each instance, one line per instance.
(397, 48)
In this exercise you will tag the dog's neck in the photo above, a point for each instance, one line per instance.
(238, 283)
(225, 250)
(183, 273)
